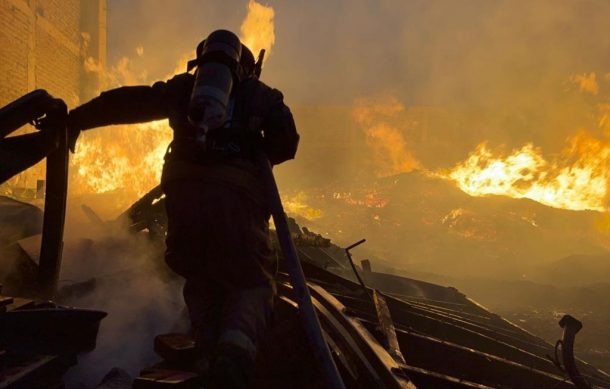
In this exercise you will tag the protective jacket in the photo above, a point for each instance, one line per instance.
(260, 119)
(218, 222)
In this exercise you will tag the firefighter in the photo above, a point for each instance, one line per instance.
(218, 222)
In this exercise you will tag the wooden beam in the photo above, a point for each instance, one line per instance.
(386, 327)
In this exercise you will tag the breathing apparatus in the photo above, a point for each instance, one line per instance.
(222, 62)
(218, 69)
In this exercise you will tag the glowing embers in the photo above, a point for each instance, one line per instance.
(576, 179)
(370, 198)
(467, 224)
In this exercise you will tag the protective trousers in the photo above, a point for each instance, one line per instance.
(218, 240)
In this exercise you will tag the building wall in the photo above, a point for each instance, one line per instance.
(15, 27)
(43, 44)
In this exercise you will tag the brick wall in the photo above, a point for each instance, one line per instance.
(57, 68)
(14, 31)
(41, 47)
(64, 15)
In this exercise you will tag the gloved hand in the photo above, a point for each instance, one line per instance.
(54, 119)
(58, 117)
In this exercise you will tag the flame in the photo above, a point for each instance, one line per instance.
(131, 161)
(257, 29)
(577, 179)
(370, 198)
(390, 151)
(126, 157)
(586, 82)
(130, 157)
(297, 205)
(466, 224)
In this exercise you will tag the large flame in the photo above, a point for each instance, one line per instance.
(126, 157)
(257, 29)
(131, 161)
(576, 179)
(130, 157)
(390, 151)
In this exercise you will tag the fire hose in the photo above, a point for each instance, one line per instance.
(307, 312)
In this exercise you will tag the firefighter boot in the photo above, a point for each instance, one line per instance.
(231, 367)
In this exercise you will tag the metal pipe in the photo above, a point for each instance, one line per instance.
(351, 262)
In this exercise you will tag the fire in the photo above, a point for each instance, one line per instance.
(257, 29)
(483, 173)
(369, 198)
(466, 224)
(391, 154)
(586, 82)
(577, 179)
(130, 157)
(297, 205)
(131, 161)
(126, 157)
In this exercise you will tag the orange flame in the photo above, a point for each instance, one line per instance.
(257, 29)
(120, 157)
(391, 154)
(586, 82)
(298, 205)
(130, 157)
(577, 179)
(126, 157)
(370, 198)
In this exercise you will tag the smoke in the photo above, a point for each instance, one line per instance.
(128, 158)
(468, 72)
(586, 82)
(390, 153)
(106, 268)
(494, 80)
(522, 79)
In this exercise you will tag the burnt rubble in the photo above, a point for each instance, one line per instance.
(384, 331)
(444, 338)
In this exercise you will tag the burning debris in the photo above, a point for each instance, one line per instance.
(131, 162)
(486, 215)
(441, 321)
(577, 179)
